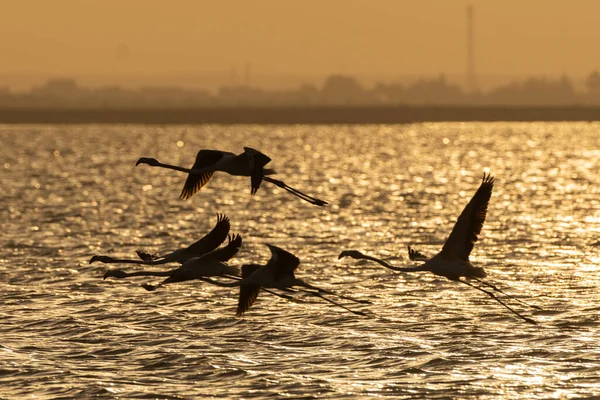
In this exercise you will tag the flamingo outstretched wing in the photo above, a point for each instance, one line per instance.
(146, 256)
(212, 239)
(257, 161)
(248, 293)
(195, 181)
(470, 222)
(282, 262)
(416, 255)
(227, 252)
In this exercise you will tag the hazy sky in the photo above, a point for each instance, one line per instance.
(388, 37)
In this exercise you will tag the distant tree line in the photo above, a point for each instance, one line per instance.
(336, 90)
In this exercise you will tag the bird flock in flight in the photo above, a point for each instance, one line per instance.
(207, 258)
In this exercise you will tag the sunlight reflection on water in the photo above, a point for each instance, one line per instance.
(73, 191)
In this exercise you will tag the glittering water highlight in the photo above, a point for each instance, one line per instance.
(73, 191)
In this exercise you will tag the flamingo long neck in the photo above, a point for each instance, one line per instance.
(112, 260)
(411, 269)
(378, 261)
(175, 167)
(393, 268)
(123, 261)
(150, 273)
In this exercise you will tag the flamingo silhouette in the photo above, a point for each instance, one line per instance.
(249, 163)
(452, 262)
(211, 264)
(278, 273)
(206, 244)
(198, 268)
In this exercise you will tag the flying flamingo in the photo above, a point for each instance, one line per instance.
(197, 268)
(277, 274)
(452, 262)
(205, 245)
(211, 264)
(249, 163)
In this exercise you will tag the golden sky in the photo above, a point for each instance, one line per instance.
(388, 37)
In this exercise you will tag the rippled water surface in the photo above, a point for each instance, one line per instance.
(69, 192)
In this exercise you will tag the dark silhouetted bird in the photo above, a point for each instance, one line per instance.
(249, 163)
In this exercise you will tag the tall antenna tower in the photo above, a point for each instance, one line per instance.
(471, 80)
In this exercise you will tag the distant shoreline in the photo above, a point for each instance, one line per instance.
(299, 115)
